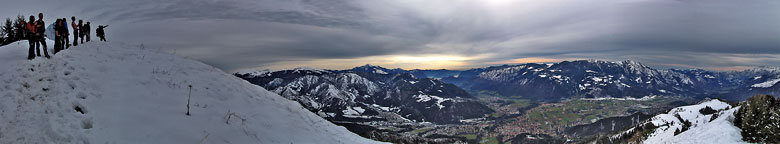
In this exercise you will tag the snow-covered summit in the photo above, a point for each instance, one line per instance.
(102, 92)
(703, 128)
(710, 121)
(368, 68)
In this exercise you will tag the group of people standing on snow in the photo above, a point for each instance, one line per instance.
(36, 37)
(35, 32)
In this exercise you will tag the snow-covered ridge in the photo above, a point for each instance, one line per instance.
(112, 93)
(766, 84)
(703, 128)
(309, 69)
(254, 72)
(266, 72)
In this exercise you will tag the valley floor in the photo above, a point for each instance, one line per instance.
(517, 119)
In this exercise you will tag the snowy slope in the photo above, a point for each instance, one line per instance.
(719, 130)
(112, 93)
(766, 84)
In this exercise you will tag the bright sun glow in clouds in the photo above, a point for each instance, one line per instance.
(417, 59)
(388, 61)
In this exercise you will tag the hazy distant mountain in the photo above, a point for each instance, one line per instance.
(372, 93)
(437, 74)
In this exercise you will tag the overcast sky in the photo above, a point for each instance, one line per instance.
(430, 34)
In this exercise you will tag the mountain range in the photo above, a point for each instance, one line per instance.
(596, 79)
(446, 96)
(371, 93)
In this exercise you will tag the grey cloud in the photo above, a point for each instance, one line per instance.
(237, 34)
(252, 44)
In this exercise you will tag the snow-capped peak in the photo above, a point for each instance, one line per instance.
(369, 67)
(374, 69)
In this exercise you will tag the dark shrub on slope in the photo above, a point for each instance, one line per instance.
(759, 119)
(707, 110)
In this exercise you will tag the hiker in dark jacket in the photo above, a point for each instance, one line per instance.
(75, 31)
(81, 31)
(87, 31)
(101, 33)
(61, 31)
(66, 33)
(41, 36)
(57, 36)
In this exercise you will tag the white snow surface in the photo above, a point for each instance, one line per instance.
(720, 130)
(131, 95)
(426, 98)
(379, 71)
(766, 84)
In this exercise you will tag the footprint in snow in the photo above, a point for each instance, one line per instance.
(79, 108)
(81, 95)
(86, 124)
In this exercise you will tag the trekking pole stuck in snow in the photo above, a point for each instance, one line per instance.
(188, 100)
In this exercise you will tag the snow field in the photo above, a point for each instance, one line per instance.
(102, 92)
